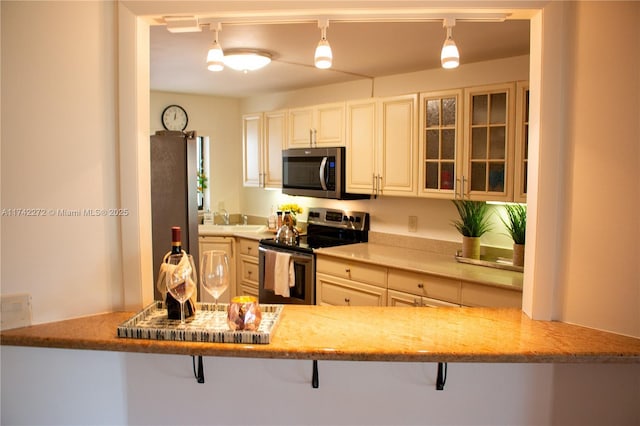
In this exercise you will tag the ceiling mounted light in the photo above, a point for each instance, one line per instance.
(246, 60)
(449, 57)
(323, 56)
(215, 56)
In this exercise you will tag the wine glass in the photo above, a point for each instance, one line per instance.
(214, 276)
(181, 281)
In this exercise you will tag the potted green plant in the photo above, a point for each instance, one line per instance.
(473, 223)
(516, 224)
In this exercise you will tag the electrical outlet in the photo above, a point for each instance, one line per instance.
(413, 223)
(15, 311)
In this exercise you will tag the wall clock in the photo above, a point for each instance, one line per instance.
(174, 117)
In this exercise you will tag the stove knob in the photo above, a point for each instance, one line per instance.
(345, 218)
(352, 219)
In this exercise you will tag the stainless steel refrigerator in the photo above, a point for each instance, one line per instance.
(174, 199)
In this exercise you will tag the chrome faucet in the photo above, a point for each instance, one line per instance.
(225, 216)
(245, 219)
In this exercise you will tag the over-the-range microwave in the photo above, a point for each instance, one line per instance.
(315, 172)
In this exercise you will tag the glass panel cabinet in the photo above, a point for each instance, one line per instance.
(440, 138)
(489, 143)
(474, 143)
(522, 142)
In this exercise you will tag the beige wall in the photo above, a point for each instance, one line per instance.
(59, 152)
(218, 118)
(600, 274)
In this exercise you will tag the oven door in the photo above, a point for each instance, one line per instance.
(304, 290)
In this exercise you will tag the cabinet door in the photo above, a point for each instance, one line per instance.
(361, 146)
(425, 285)
(398, 142)
(339, 292)
(275, 132)
(489, 143)
(247, 267)
(489, 296)
(440, 143)
(399, 298)
(251, 146)
(301, 123)
(329, 124)
(225, 244)
(353, 271)
(522, 142)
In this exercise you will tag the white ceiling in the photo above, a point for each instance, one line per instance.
(360, 50)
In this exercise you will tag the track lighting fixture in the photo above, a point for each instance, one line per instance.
(323, 56)
(449, 57)
(215, 57)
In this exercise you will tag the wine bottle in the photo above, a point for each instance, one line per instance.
(173, 306)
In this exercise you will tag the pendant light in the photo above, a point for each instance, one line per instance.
(449, 57)
(215, 57)
(323, 56)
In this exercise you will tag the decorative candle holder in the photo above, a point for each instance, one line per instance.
(244, 313)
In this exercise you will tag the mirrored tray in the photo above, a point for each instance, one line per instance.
(152, 323)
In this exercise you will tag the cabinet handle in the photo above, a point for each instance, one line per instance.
(462, 192)
(347, 300)
(248, 249)
(373, 186)
(379, 184)
(420, 285)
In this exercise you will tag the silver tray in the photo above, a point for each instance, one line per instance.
(497, 263)
(152, 323)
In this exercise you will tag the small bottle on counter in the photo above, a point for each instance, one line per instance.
(279, 213)
(272, 219)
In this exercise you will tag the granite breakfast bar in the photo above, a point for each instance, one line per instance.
(491, 335)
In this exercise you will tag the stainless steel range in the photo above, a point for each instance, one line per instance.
(295, 284)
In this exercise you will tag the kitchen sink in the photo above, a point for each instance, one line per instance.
(225, 229)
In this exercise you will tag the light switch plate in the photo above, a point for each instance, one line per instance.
(15, 311)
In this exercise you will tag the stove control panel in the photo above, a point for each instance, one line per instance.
(339, 218)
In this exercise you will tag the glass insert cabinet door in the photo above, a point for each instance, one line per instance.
(522, 142)
(489, 143)
(440, 141)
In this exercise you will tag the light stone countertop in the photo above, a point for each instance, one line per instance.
(395, 334)
(425, 262)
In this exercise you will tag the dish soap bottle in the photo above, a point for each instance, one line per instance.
(272, 219)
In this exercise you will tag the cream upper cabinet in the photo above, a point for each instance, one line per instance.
(522, 142)
(317, 126)
(398, 146)
(489, 143)
(382, 146)
(263, 136)
(361, 172)
(440, 143)
(251, 141)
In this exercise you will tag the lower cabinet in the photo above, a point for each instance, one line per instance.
(351, 283)
(248, 272)
(400, 298)
(347, 283)
(226, 244)
(335, 291)
(485, 295)
(433, 289)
